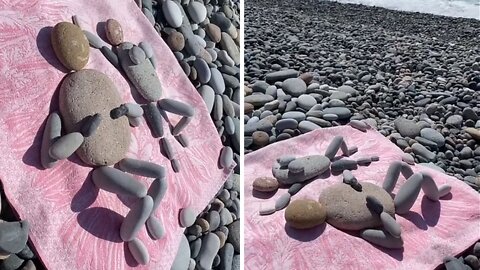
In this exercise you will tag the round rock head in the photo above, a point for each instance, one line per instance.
(70, 45)
(347, 208)
(114, 32)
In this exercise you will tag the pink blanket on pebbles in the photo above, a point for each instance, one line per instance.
(73, 225)
(430, 231)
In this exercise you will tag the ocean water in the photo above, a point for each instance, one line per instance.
(452, 8)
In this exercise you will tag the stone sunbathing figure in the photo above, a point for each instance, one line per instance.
(351, 205)
(96, 128)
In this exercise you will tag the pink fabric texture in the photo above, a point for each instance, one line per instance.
(430, 231)
(73, 225)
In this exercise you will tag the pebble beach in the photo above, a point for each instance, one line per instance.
(414, 77)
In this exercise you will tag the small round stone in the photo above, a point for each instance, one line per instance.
(114, 32)
(260, 138)
(187, 217)
(176, 41)
(265, 184)
(305, 214)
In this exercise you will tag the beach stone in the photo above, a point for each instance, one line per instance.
(281, 75)
(66, 145)
(339, 95)
(294, 86)
(433, 135)
(307, 126)
(474, 132)
(234, 235)
(187, 217)
(197, 11)
(260, 138)
(221, 21)
(213, 218)
(143, 76)
(226, 157)
(407, 128)
(13, 236)
(182, 259)
(282, 124)
(341, 112)
(226, 256)
(454, 120)
(208, 95)
(29, 265)
(94, 40)
(172, 13)
(347, 89)
(13, 262)
(70, 45)
(258, 100)
(210, 247)
(176, 41)
(137, 55)
(155, 228)
(136, 217)
(114, 32)
(312, 166)
(227, 43)
(139, 251)
(176, 107)
(85, 93)
(357, 216)
(297, 116)
(282, 201)
(305, 214)
(468, 113)
(203, 70)
(216, 81)
(422, 151)
(265, 184)
(213, 32)
(306, 102)
(118, 182)
(336, 103)
(472, 261)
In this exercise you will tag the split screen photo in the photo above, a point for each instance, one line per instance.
(231, 135)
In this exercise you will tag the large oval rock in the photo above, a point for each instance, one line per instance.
(70, 45)
(88, 92)
(305, 214)
(347, 208)
(312, 166)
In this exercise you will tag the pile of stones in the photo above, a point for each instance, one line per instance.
(419, 86)
(204, 36)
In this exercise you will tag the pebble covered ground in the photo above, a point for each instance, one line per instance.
(205, 38)
(414, 77)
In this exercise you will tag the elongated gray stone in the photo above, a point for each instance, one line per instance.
(330, 116)
(94, 40)
(267, 209)
(313, 166)
(227, 43)
(422, 151)
(53, 130)
(227, 106)
(111, 56)
(282, 201)
(408, 158)
(390, 225)
(182, 259)
(137, 55)
(216, 81)
(197, 11)
(155, 228)
(147, 48)
(229, 125)
(136, 217)
(187, 217)
(203, 70)
(307, 126)
(285, 160)
(210, 247)
(157, 191)
(181, 125)
(408, 193)
(258, 100)
(336, 143)
(393, 173)
(218, 108)
(381, 238)
(226, 157)
(176, 107)
(360, 125)
(134, 110)
(341, 112)
(138, 251)
(118, 182)
(167, 148)
(66, 145)
(175, 165)
(143, 75)
(208, 95)
(143, 168)
(13, 236)
(172, 13)
(91, 124)
(154, 119)
(281, 75)
(433, 135)
(298, 116)
(182, 139)
(344, 164)
(226, 256)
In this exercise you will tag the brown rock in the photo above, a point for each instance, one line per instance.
(232, 31)
(305, 214)
(70, 45)
(247, 91)
(213, 32)
(114, 32)
(474, 132)
(203, 223)
(86, 93)
(205, 56)
(193, 74)
(265, 184)
(176, 41)
(272, 119)
(347, 208)
(260, 138)
(307, 77)
(222, 237)
(248, 108)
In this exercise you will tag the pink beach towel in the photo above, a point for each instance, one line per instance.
(73, 225)
(430, 231)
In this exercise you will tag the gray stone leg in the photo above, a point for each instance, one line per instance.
(154, 119)
(91, 124)
(349, 179)
(335, 144)
(52, 131)
(66, 145)
(389, 223)
(393, 173)
(118, 182)
(431, 190)
(379, 237)
(142, 168)
(408, 193)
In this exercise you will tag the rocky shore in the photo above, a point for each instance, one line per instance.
(414, 77)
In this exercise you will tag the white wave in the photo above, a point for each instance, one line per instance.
(456, 8)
